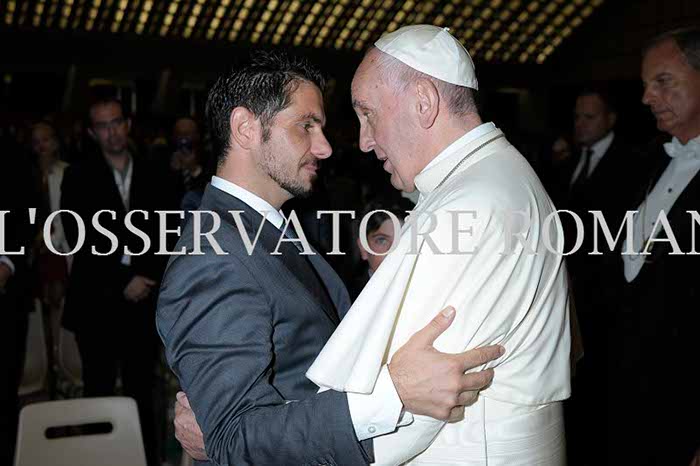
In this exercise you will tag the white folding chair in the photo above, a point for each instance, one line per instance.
(36, 365)
(123, 446)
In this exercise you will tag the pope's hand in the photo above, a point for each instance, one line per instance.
(187, 431)
(434, 384)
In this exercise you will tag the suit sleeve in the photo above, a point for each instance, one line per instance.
(216, 323)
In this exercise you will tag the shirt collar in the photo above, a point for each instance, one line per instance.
(435, 171)
(601, 146)
(257, 203)
(461, 142)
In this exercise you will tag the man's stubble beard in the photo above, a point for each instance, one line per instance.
(274, 169)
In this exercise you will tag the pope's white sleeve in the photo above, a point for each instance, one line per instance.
(435, 269)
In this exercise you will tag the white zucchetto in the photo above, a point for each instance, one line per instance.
(433, 51)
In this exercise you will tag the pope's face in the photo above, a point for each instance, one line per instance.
(385, 125)
(672, 91)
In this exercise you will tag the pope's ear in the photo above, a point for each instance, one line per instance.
(245, 128)
(427, 102)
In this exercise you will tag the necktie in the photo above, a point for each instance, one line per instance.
(583, 174)
(292, 234)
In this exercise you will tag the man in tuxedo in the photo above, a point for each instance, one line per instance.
(111, 296)
(240, 329)
(655, 328)
(17, 195)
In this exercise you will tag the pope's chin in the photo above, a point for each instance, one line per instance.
(397, 183)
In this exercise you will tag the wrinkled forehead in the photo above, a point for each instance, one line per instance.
(308, 95)
(367, 73)
(663, 57)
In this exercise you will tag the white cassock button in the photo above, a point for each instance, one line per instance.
(371, 429)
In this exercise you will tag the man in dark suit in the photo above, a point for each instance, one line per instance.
(110, 301)
(240, 329)
(17, 195)
(596, 183)
(654, 330)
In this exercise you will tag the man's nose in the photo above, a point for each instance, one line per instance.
(366, 140)
(322, 148)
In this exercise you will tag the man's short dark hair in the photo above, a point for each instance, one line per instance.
(105, 100)
(686, 39)
(603, 93)
(264, 87)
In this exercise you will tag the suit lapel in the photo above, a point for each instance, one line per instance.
(334, 285)
(298, 267)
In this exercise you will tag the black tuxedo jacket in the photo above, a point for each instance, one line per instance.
(654, 330)
(95, 289)
(240, 330)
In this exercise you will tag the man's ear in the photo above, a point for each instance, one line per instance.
(427, 102)
(613, 119)
(92, 134)
(245, 128)
(363, 253)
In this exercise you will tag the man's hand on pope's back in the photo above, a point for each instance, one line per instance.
(187, 431)
(428, 382)
(434, 384)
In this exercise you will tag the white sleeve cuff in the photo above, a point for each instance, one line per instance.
(379, 412)
(6, 260)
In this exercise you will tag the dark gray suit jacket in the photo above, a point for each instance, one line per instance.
(241, 330)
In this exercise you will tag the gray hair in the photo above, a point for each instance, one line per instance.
(460, 99)
(686, 39)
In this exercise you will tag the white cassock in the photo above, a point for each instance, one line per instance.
(503, 291)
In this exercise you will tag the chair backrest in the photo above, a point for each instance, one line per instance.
(122, 446)
(36, 364)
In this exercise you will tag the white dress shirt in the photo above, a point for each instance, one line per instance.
(599, 149)
(684, 165)
(371, 415)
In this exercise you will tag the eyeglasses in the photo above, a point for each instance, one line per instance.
(106, 125)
